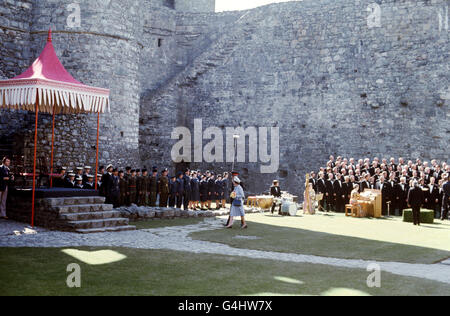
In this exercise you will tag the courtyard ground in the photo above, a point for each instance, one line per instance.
(304, 255)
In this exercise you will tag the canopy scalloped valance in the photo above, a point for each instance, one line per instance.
(64, 98)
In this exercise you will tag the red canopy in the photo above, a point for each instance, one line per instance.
(47, 87)
(55, 88)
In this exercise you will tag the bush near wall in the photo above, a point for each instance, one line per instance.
(426, 216)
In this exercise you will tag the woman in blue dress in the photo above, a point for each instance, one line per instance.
(237, 208)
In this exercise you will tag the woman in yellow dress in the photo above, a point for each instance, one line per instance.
(309, 197)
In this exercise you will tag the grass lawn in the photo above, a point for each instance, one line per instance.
(338, 236)
(37, 271)
(158, 223)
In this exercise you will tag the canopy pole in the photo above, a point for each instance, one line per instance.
(34, 161)
(96, 157)
(53, 142)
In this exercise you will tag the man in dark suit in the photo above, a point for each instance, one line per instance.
(401, 195)
(445, 198)
(5, 179)
(329, 195)
(313, 180)
(275, 191)
(321, 189)
(365, 184)
(385, 189)
(415, 200)
(339, 193)
(432, 196)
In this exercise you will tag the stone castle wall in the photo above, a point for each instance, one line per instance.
(331, 83)
(333, 78)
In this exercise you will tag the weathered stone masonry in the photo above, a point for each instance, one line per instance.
(315, 69)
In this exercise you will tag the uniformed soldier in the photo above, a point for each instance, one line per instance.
(79, 172)
(211, 190)
(172, 191)
(153, 187)
(89, 185)
(144, 188)
(58, 182)
(87, 172)
(115, 190)
(219, 192)
(70, 181)
(132, 188)
(123, 189)
(78, 183)
(163, 188)
(138, 187)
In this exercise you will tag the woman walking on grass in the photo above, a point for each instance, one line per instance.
(237, 208)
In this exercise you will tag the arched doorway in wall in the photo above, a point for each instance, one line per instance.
(182, 166)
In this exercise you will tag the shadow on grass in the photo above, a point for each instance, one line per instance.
(37, 271)
(301, 241)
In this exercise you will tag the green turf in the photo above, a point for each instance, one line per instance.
(158, 223)
(38, 271)
(308, 242)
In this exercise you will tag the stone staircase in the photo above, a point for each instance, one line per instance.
(85, 215)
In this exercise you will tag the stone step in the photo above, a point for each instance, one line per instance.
(52, 202)
(98, 223)
(89, 215)
(84, 208)
(105, 229)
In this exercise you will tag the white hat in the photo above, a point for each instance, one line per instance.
(237, 180)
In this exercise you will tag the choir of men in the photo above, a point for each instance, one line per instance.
(393, 178)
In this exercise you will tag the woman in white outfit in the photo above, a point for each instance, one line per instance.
(237, 208)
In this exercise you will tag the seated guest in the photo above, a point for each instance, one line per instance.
(275, 191)
(354, 199)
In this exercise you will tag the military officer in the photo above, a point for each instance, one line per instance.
(163, 188)
(153, 187)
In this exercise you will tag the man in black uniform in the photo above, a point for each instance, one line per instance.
(446, 197)
(321, 189)
(179, 189)
(339, 193)
(107, 184)
(329, 196)
(415, 200)
(172, 191)
(211, 190)
(153, 187)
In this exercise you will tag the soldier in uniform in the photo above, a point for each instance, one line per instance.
(211, 190)
(123, 189)
(172, 191)
(90, 185)
(163, 188)
(132, 187)
(70, 181)
(225, 186)
(115, 190)
(187, 189)
(179, 189)
(143, 188)
(58, 182)
(153, 187)
(203, 191)
(219, 192)
(78, 183)
(138, 187)
(87, 172)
